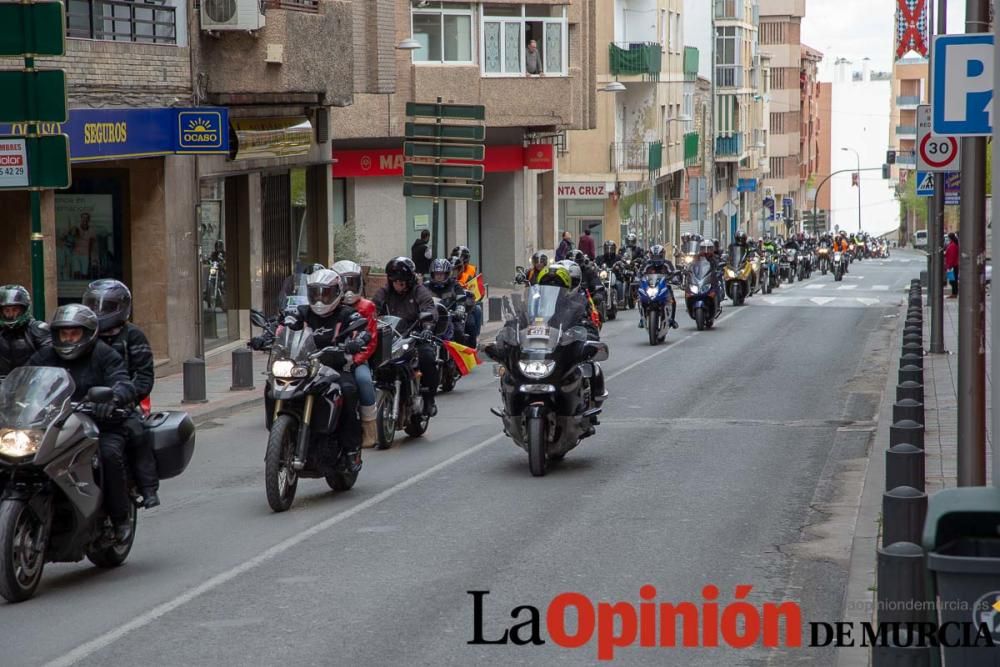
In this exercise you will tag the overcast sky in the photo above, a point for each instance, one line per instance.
(855, 29)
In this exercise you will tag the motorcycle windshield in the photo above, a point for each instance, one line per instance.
(300, 297)
(690, 248)
(293, 345)
(32, 397)
(653, 279)
(540, 303)
(701, 271)
(736, 255)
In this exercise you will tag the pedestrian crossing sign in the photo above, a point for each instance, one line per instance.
(925, 184)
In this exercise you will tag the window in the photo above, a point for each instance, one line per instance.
(772, 33)
(777, 167)
(444, 31)
(675, 32)
(122, 21)
(523, 40)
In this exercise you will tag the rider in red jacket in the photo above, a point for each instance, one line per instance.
(350, 275)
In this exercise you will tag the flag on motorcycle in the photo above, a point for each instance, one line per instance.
(465, 358)
(594, 315)
(477, 287)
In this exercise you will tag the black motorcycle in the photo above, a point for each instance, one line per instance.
(51, 505)
(400, 405)
(307, 406)
(609, 281)
(704, 294)
(545, 379)
(450, 316)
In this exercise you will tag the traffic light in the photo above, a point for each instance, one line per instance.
(890, 157)
(886, 172)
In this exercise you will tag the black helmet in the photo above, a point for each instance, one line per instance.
(577, 256)
(741, 238)
(74, 316)
(402, 268)
(631, 239)
(440, 265)
(15, 295)
(657, 252)
(463, 253)
(610, 248)
(351, 279)
(111, 300)
(538, 260)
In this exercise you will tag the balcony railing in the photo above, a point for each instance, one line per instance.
(121, 21)
(643, 58)
(906, 159)
(637, 156)
(691, 148)
(908, 101)
(729, 76)
(906, 130)
(731, 146)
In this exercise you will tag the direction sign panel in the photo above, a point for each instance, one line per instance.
(33, 95)
(445, 132)
(438, 191)
(471, 172)
(934, 152)
(45, 162)
(444, 151)
(963, 85)
(449, 111)
(47, 36)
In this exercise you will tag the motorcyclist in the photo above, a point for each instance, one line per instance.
(610, 255)
(93, 363)
(577, 285)
(658, 264)
(327, 315)
(538, 262)
(352, 281)
(21, 335)
(632, 251)
(111, 301)
(466, 274)
(447, 289)
(413, 303)
(591, 279)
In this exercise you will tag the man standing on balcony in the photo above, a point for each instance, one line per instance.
(533, 59)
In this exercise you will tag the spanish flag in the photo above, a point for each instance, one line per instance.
(465, 358)
(595, 317)
(477, 287)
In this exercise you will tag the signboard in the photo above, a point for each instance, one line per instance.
(357, 163)
(537, 156)
(746, 185)
(963, 85)
(925, 184)
(934, 152)
(271, 137)
(47, 36)
(583, 190)
(449, 111)
(38, 95)
(952, 186)
(470, 152)
(13, 163)
(445, 132)
(471, 172)
(438, 191)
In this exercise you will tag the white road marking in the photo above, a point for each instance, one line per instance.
(817, 286)
(868, 302)
(880, 288)
(847, 287)
(820, 300)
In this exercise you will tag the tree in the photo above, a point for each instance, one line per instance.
(911, 204)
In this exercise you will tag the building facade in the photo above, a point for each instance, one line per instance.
(810, 138)
(469, 53)
(824, 151)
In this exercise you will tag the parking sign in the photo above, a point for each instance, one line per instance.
(963, 85)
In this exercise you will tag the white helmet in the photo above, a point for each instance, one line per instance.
(351, 279)
(325, 291)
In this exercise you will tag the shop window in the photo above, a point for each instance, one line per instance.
(444, 31)
(524, 40)
(216, 299)
(88, 235)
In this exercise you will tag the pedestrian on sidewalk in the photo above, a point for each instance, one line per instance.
(564, 247)
(587, 246)
(951, 264)
(422, 253)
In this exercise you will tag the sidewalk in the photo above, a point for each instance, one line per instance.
(168, 391)
(940, 446)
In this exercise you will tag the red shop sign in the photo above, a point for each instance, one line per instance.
(389, 161)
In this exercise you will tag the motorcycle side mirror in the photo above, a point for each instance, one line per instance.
(100, 395)
(595, 350)
(257, 318)
(518, 269)
(426, 317)
(490, 350)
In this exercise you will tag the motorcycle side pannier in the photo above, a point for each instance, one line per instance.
(171, 436)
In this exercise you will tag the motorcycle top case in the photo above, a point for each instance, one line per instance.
(171, 435)
(383, 350)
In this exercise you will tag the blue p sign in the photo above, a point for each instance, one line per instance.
(963, 85)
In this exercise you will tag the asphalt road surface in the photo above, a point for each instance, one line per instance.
(724, 457)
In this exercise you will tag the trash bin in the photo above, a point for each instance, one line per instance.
(962, 541)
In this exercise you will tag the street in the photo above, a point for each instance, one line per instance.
(724, 457)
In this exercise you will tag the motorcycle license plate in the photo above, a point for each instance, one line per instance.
(538, 331)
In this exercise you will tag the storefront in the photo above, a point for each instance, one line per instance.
(588, 205)
(368, 187)
(128, 214)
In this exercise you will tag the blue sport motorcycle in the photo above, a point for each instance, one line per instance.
(657, 304)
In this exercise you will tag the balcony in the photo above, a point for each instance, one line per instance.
(729, 76)
(730, 148)
(906, 160)
(909, 131)
(691, 58)
(637, 156)
(690, 149)
(636, 58)
(908, 101)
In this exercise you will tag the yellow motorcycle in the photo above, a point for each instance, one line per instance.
(739, 275)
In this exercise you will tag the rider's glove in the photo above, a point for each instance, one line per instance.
(104, 411)
(334, 359)
(353, 346)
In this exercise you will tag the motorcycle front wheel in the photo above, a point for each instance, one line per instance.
(449, 376)
(536, 446)
(280, 480)
(23, 551)
(653, 326)
(115, 555)
(699, 319)
(385, 425)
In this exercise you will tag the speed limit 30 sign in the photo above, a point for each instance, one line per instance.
(935, 152)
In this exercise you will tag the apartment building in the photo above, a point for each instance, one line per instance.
(909, 90)
(812, 132)
(468, 53)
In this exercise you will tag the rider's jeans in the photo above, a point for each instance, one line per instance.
(366, 387)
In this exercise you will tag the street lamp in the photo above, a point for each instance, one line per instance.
(858, 155)
(408, 44)
(613, 87)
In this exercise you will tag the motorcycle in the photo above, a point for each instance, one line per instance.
(703, 297)
(656, 301)
(768, 272)
(545, 379)
(399, 404)
(215, 286)
(455, 317)
(51, 505)
(823, 255)
(784, 267)
(307, 407)
(838, 265)
(609, 305)
(739, 275)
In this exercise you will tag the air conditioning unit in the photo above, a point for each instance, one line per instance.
(232, 15)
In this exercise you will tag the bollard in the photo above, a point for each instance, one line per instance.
(911, 374)
(901, 648)
(901, 583)
(903, 512)
(915, 315)
(904, 466)
(912, 360)
(912, 348)
(908, 432)
(913, 330)
(911, 390)
(908, 409)
(912, 337)
(242, 370)
(916, 301)
(923, 278)
(194, 381)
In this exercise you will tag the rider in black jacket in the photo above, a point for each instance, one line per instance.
(92, 363)
(21, 335)
(413, 303)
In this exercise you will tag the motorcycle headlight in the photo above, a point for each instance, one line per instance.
(652, 291)
(212, 271)
(603, 274)
(730, 273)
(399, 349)
(18, 443)
(537, 368)
(282, 368)
(694, 289)
(836, 256)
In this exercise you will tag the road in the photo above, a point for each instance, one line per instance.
(724, 457)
